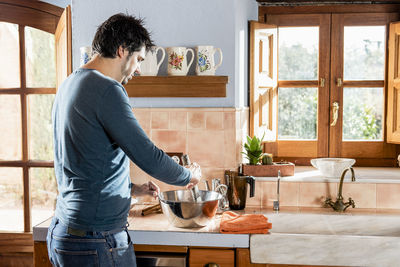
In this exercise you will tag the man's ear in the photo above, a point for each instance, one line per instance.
(120, 52)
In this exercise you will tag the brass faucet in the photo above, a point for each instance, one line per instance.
(339, 205)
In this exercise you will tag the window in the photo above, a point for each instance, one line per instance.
(29, 41)
(328, 98)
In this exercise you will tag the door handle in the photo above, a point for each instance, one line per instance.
(339, 82)
(322, 82)
(335, 113)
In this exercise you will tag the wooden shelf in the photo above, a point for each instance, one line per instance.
(177, 86)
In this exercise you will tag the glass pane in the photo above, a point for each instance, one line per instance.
(297, 113)
(11, 199)
(44, 193)
(364, 53)
(362, 113)
(10, 121)
(9, 52)
(40, 128)
(298, 53)
(40, 58)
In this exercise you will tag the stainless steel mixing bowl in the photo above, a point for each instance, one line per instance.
(182, 211)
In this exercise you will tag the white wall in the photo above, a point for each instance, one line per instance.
(60, 3)
(221, 23)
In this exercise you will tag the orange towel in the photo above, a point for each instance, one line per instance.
(233, 223)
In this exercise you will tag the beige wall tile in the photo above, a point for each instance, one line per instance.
(238, 116)
(208, 159)
(213, 173)
(244, 119)
(289, 193)
(214, 120)
(314, 194)
(206, 142)
(144, 117)
(364, 195)
(178, 120)
(268, 194)
(230, 148)
(388, 196)
(196, 120)
(159, 120)
(169, 140)
(229, 120)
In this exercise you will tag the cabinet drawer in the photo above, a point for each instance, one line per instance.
(222, 257)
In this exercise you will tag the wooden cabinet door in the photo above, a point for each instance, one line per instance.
(202, 257)
(263, 79)
(393, 111)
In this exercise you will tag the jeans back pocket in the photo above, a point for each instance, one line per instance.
(77, 258)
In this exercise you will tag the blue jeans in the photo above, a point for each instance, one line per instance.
(108, 249)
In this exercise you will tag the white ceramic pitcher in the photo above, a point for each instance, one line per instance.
(150, 65)
(177, 60)
(205, 64)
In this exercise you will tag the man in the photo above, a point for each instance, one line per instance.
(95, 135)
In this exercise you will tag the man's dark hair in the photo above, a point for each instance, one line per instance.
(121, 30)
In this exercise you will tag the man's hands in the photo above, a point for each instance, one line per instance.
(194, 168)
(152, 189)
(148, 188)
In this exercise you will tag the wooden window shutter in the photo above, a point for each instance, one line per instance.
(263, 80)
(393, 107)
(63, 44)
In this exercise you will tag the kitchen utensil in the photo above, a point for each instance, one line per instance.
(152, 209)
(205, 64)
(223, 190)
(237, 189)
(332, 167)
(151, 65)
(180, 209)
(177, 60)
(196, 194)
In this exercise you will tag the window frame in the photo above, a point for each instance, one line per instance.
(44, 17)
(279, 16)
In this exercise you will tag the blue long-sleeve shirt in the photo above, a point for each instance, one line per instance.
(95, 132)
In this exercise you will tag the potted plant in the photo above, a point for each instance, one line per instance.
(261, 164)
(254, 151)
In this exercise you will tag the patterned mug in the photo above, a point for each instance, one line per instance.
(177, 60)
(150, 64)
(86, 54)
(205, 64)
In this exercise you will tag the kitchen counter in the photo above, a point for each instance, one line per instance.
(306, 236)
(154, 229)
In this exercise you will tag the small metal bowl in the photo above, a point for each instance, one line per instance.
(182, 211)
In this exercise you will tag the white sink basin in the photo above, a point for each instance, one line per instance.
(341, 224)
(333, 240)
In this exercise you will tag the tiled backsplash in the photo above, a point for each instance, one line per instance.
(313, 194)
(213, 137)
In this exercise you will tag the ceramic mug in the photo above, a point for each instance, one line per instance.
(86, 54)
(205, 64)
(177, 60)
(150, 65)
